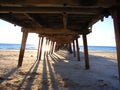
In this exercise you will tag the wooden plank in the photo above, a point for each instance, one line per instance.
(22, 49)
(116, 19)
(74, 52)
(86, 52)
(77, 48)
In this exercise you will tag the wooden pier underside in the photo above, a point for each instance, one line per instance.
(60, 22)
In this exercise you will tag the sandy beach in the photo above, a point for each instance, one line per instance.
(59, 71)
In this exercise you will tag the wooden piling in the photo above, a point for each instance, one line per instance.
(41, 48)
(74, 52)
(86, 51)
(116, 18)
(38, 53)
(46, 50)
(77, 48)
(53, 47)
(70, 48)
(22, 49)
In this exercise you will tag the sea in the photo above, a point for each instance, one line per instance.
(6, 46)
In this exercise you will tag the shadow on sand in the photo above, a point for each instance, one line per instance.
(64, 72)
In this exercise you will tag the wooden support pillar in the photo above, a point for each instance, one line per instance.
(70, 48)
(116, 18)
(49, 43)
(53, 47)
(22, 49)
(74, 49)
(86, 52)
(50, 47)
(56, 47)
(40, 54)
(46, 46)
(77, 47)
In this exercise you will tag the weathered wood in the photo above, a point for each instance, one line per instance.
(116, 19)
(77, 48)
(86, 52)
(41, 48)
(65, 20)
(46, 46)
(50, 31)
(22, 49)
(74, 52)
(100, 3)
(50, 9)
(38, 53)
(48, 52)
(70, 48)
(50, 47)
(53, 47)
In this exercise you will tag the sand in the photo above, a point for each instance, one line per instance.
(59, 71)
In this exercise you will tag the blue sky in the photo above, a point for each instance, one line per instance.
(102, 34)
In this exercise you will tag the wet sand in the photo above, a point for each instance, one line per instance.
(59, 71)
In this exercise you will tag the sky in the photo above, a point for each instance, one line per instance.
(102, 34)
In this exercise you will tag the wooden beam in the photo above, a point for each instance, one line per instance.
(22, 49)
(99, 3)
(116, 18)
(77, 48)
(64, 20)
(86, 52)
(74, 49)
(33, 20)
(50, 31)
(51, 9)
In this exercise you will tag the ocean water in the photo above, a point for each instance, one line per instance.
(17, 47)
(100, 48)
(34, 47)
